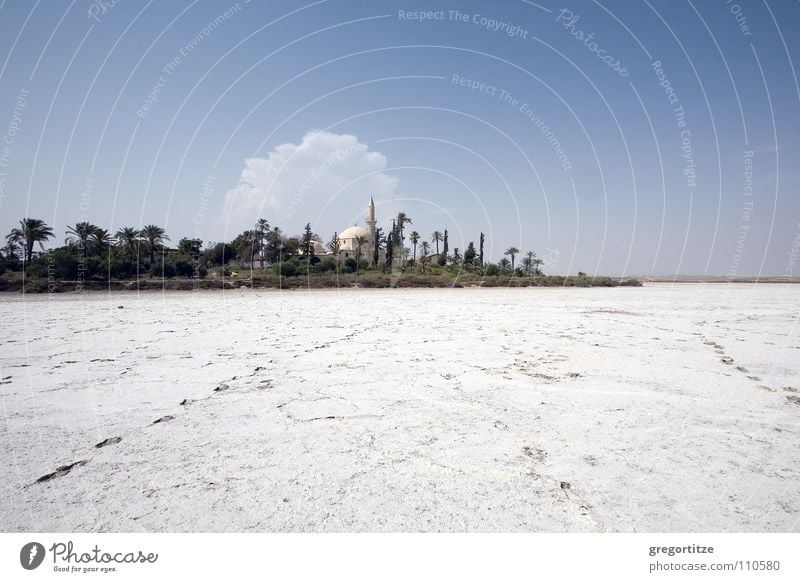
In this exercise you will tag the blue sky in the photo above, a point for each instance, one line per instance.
(506, 118)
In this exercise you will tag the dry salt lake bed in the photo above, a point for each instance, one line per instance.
(662, 408)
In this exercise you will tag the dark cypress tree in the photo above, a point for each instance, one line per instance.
(376, 249)
(307, 243)
(389, 253)
(481, 251)
(445, 248)
(394, 235)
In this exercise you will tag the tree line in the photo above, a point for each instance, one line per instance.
(90, 251)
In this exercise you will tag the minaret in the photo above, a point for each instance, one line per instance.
(371, 219)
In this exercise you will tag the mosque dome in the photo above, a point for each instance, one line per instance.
(353, 232)
(348, 236)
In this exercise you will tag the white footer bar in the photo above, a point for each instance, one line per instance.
(407, 557)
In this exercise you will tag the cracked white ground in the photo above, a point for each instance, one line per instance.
(663, 408)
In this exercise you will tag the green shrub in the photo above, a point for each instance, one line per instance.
(492, 270)
(122, 268)
(36, 269)
(285, 269)
(218, 255)
(66, 265)
(350, 265)
(327, 265)
(184, 268)
(166, 270)
(61, 264)
(7, 264)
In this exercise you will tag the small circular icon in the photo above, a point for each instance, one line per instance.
(31, 555)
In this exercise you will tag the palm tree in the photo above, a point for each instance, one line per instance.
(403, 255)
(402, 219)
(527, 262)
(360, 240)
(512, 252)
(155, 236)
(14, 244)
(245, 245)
(79, 235)
(11, 249)
(262, 228)
(424, 256)
(505, 264)
(30, 231)
(129, 237)
(101, 240)
(414, 238)
(436, 237)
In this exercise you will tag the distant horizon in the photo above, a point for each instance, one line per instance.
(207, 243)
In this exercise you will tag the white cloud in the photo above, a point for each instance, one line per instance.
(293, 184)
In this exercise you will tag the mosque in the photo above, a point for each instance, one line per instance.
(349, 241)
(349, 237)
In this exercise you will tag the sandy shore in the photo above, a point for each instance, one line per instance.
(662, 408)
